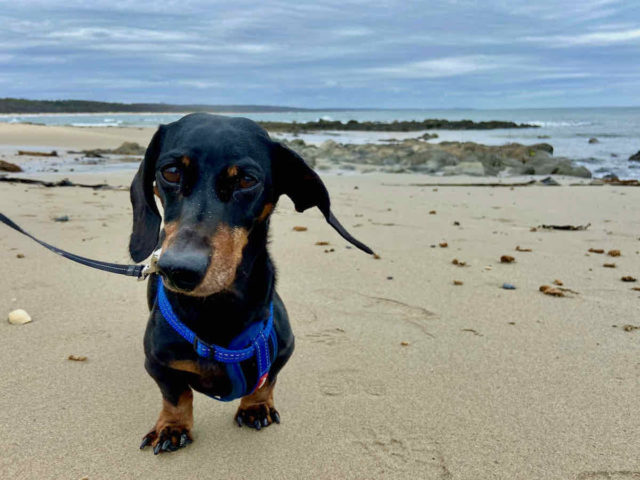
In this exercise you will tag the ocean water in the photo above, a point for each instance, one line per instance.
(568, 130)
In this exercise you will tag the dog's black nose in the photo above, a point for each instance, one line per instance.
(184, 271)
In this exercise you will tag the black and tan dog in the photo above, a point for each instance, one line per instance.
(217, 324)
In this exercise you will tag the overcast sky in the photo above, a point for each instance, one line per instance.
(440, 54)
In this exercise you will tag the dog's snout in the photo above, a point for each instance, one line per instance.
(184, 271)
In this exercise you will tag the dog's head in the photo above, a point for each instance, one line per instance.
(218, 179)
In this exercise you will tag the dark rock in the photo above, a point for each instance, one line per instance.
(429, 136)
(9, 167)
(126, 148)
(594, 140)
(395, 126)
(129, 148)
(449, 158)
(635, 157)
(63, 218)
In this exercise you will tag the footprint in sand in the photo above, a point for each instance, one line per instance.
(344, 382)
(329, 336)
(355, 303)
(604, 475)
(414, 454)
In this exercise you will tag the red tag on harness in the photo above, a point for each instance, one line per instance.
(262, 381)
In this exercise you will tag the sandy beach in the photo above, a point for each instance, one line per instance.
(398, 372)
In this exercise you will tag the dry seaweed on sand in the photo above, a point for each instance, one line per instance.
(572, 228)
(65, 182)
(52, 153)
(554, 292)
(471, 184)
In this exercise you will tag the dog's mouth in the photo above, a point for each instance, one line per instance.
(170, 285)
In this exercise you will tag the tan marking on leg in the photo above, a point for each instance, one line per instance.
(266, 211)
(258, 408)
(186, 366)
(262, 396)
(173, 419)
(227, 245)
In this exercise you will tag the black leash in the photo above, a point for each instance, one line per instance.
(138, 271)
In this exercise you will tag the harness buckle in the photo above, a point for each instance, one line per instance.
(197, 342)
(150, 267)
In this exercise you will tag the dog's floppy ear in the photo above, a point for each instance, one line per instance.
(146, 218)
(294, 178)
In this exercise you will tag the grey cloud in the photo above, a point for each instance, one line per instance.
(392, 53)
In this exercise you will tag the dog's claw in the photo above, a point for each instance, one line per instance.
(258, 416)
(167, 440)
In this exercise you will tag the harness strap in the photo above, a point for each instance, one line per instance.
(138, 271)
(258, 347)
(203, 349)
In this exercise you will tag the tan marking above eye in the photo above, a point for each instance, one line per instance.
(266, 211)
(232, 171)
(186, 161)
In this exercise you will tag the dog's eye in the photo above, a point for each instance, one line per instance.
(172, 174)
(246, 181)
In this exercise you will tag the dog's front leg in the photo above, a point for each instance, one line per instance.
(173, 428)
(257, 410)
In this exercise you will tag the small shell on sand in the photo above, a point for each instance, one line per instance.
(19, 317)
(432, 212)
(628, 278)
(520, 249)
(404, 344)
(609, 265)
(558, 282)
(77, 358)
(443, 244)
(614, 253)
(457, 282)
(300, 229)
(596, 250)
(507, 259)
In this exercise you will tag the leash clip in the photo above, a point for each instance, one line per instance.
(150, 267)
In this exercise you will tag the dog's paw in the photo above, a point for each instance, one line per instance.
(168, 439)
(257, 416)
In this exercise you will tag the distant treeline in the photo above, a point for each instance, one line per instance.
(395, 126)
(20, 105)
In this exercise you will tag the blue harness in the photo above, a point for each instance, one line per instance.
(252, 342)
